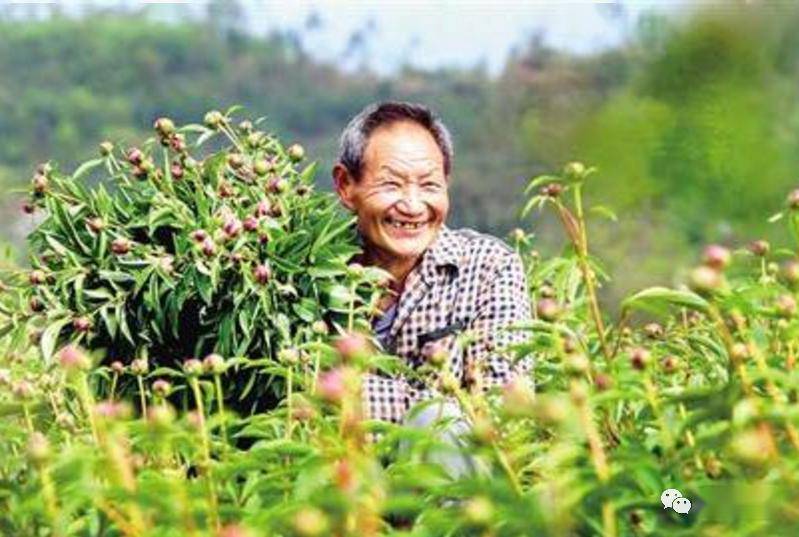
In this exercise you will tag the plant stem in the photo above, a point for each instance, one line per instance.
(221, 406)
(142, 398)
(582, 255)
(206, 453)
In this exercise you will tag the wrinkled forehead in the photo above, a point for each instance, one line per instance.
(402, 147)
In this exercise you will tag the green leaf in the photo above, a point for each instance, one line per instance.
(50, 338)
(87, 167)
(657, 300)
(601, 210)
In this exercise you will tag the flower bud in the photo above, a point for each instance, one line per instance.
(705, 279)
(790, 271)
(39, 183)
(82, 324)
(214, 119)
(164, 126)
(739, 352)
(352, 346)
(310, 522)
(435, 354)
(139, 367)
(135, 156)
(199, 235)
(576, 364)
(95, 224)
(162, 388)
(276, 185)
(260, 167)
(117, 367)
(262, 273)
(552, 190)
(639, 358)
(548, 309)
(331, 386)
(120, 246)
(113, 410)
(716, 256)
(518, 234)
(251, 223)
(178, 143)
(193, 367)
(235, 160)
(214, 364)
(319, 328)
(759, 248)
(72, 358)
(263, 208)
(478, 512)
(232, 227)
(254, 139)
(28, 208)
(245, 126)
(160, 417)
(176, 170)
(670, 364)
(653, 331)
(22, 390)
(574, 170)
(106, 148)
(208, 247)
(5, 377)
(518, 399)
(603, 382)
(38, 448)
(793, 199)
(288, 356)
(785, 306)
(296, 152)
(37, 277)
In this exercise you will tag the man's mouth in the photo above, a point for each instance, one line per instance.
(405, 224)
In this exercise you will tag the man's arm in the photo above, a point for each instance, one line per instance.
(504, 301)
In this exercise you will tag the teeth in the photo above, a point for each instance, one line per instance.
(405, 225)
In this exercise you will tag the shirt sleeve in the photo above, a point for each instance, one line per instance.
(385, 398)
(504, 301)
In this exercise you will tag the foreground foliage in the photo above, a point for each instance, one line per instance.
(692, 388)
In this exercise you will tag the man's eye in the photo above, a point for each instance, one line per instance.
(391, 184)
(431, 185)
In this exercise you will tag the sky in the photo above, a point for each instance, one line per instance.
(426, 34)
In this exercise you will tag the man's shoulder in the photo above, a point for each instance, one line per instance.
(474, 242)
(481, 250)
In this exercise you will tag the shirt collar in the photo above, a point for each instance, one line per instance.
(445, 251)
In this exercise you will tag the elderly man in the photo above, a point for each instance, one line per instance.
(393, 172)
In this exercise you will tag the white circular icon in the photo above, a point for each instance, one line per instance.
(673, 498)
(681, 505)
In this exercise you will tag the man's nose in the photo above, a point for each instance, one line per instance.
(411, 202)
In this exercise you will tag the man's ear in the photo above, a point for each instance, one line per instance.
(344, 184)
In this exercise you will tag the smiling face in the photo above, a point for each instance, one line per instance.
(401, 200)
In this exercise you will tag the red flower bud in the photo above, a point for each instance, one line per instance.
(276, 185)
(82, 324)
(28, 208)
(177, 171)
(639, 358)
(178, 143)
(251, 223)
(37, 277)
(759, 248)
(547, 309)
(331, 386)
(72, 358)
(262, 273)
(352, 346)
(263, 208)
(120, 246)
(232, 227)
(208, 246)
(135, 156)
(717, 257)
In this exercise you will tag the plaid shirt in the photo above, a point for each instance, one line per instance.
(466, 281)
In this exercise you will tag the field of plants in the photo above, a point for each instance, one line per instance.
(184, 356)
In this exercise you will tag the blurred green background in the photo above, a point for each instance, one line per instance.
(692, 117)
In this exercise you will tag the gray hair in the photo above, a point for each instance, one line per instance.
(356, 135)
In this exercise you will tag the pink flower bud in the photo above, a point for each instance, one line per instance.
(717, 257)
(331, 386)
(72, 358)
